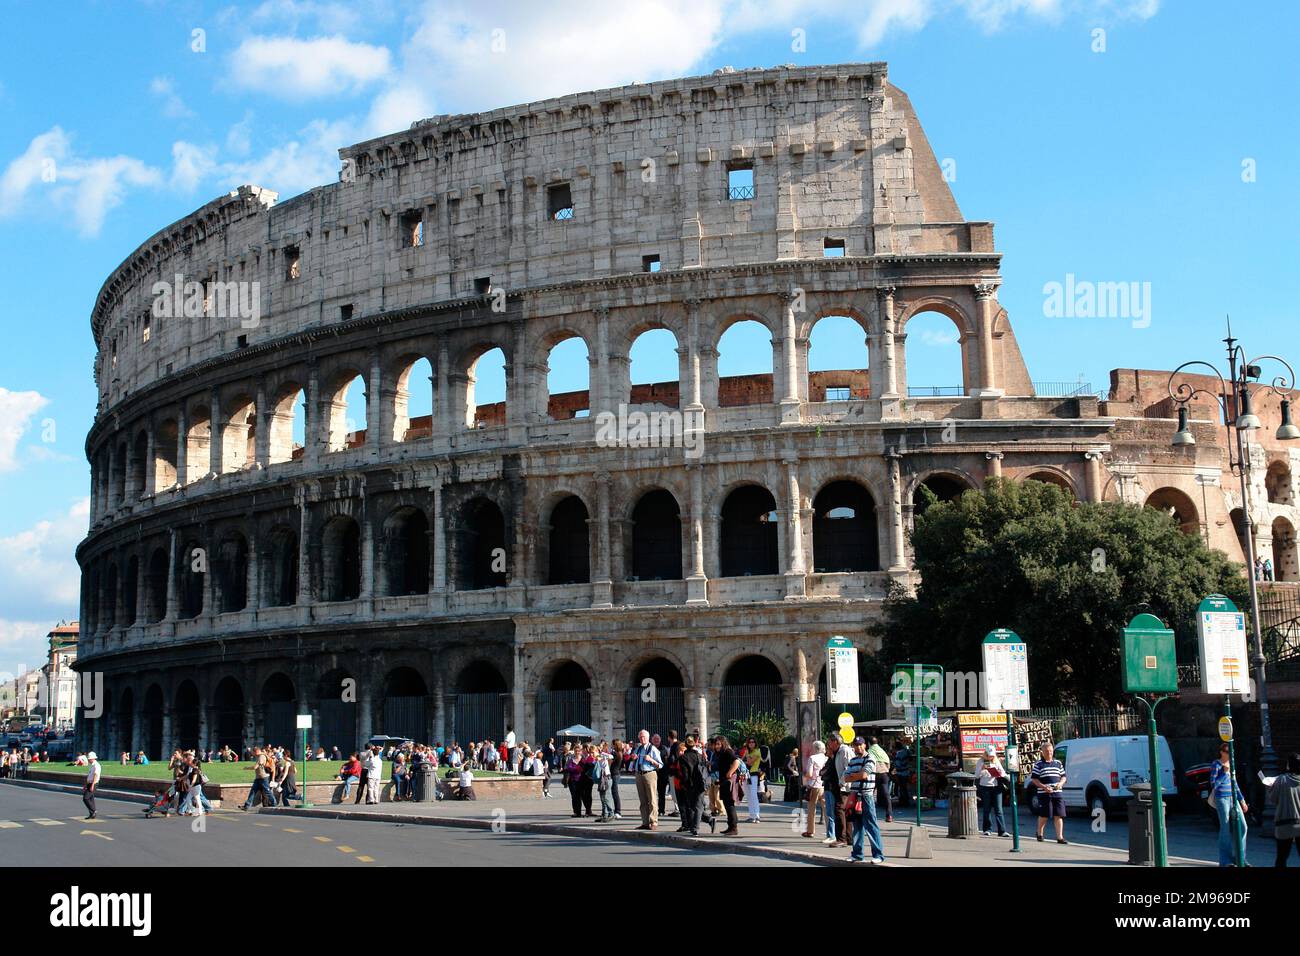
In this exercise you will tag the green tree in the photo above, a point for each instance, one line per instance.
(766, 728)
(1066, 576)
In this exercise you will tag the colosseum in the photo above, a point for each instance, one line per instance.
(484, 566)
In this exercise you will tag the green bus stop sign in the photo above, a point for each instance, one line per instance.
(1150, 665)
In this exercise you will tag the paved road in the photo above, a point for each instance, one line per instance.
(44, 828)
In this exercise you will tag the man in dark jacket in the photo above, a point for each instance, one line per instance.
(691, 773)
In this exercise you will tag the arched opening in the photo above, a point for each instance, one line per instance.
(1053, 478)
(198, 442)
(156, 586)
(944, 487)
(185, 716)
(281, 587)
(844, 529)
(656, 701)
(654, 369)
(486, 390)
(568, 380)
(341, 559)
(1277, 483)
(232, 574)
(228, 702)
(126, 723)
(481, 699)
(569, 543)
(336, 702)
(165, 450)
(405, 712)
(130, 592)
(288, 425)
(153, 722)
(279, 711)
(1284, 551)
(745, 365)
(564, 700)
(413, 400)
(656, 538)
(931, 356)
(483, 558)
(406, 552)
(1178, 506)
(751, 685)
(239, 435)
(348, 411)
(193, 571)
(749, 529)
(839, 365)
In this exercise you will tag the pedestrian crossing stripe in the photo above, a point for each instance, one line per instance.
(10, 825)
(267, 825)
(365, 859)
(291, 830)
(346, 849)
(321, 839)
(47, 822)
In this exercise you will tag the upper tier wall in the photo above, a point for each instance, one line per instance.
(836, 153)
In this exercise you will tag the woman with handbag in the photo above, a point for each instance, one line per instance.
(989, 775)
(812, 784)
(729, 788)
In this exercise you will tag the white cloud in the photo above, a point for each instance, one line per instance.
(300, 69)
(23, 645)
(173, 106)
(939, 338)
(39, 576)
(16, 412)
(191, 165)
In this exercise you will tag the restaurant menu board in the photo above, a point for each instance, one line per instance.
(1221, 629)
(842, 672)
(1006, 671)
(977, 732)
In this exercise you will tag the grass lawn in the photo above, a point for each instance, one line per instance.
(237, 772)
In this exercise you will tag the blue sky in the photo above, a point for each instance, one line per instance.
(1171, 157)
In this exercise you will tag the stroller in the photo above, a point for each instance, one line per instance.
(162, 802)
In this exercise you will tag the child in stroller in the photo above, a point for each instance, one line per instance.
(162, 802)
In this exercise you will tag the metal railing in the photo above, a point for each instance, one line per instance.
(1063, 389)
(935, 391)
(740, 192)
(1071, 722)
(561, 215)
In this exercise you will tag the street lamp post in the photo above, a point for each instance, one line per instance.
(1235, 398)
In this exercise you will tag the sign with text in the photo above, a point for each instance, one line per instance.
(917, 685)
(1006, 671)
(1150, 666)
(1221, 633)
(842, 672)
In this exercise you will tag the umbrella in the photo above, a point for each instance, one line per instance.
(577, 730)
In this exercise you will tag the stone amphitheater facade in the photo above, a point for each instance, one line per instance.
(449, 576)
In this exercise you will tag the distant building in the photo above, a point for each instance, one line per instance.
(59, 679)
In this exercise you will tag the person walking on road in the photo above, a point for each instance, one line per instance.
(261, 782)
(1226, 792)
(1286, 819)
(647, 762)
(1048, 777)
(988, 788)
(812, 782)
(92, 781)
(860, 808)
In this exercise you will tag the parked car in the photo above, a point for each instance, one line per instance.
(1100, 770)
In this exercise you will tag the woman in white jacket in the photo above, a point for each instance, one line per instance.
(989, 773)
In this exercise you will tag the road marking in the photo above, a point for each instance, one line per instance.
(291, 830)
(10, 825)
(47, 822)
(96, 833)
(346, 849)
(267, 825)
(366, 859)
(321, 839)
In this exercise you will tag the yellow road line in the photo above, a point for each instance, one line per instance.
(291, 830)
(366, 859)
(10, 825)
(346, 849)
(322, 839)
(47, 822)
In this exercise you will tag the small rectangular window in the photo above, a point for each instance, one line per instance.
(649, 263)
(345, 312)
(412, 229)
(146, 331)
(483, 285)
(292, 262)
(833, 248)
(838, 394)
(740, 181)
(559, 201)
(241, 342)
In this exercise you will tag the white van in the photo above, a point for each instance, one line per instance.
(1098, 770)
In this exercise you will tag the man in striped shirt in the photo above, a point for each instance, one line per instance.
(860, 776)
(1048, 777)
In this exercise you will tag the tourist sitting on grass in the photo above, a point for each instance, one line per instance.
(141, 760)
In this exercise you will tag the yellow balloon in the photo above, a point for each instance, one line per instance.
(845, 719)
(847, 735)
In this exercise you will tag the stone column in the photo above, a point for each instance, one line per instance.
(182, 447)
(697, 591)
(602, 594)
(209, 573)
(691, 386)
(439, 699)
(898, 557)
(305, 546)
(439, 539)
(790, 397)
(150, 465)
(794, 575)
(378, 414)
(887, 386)
(518, 704)
(442, 412)
(367, 552)
(141, 590)
(601, 392)
(365, 709)
(168, 741)
(313, 432)
(216, 425)
(173, 578)
(253, 577)
(994, 467)
(984, 300)
(1092, 469)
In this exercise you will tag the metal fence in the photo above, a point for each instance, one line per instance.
(480, 717)
(338, 725)
(667, 711)
(557, 709)
(1070, 722)
(406, 717)
(739, 701)
(1062, 389)
(279, 725)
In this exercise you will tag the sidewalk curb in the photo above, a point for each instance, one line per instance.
(127, 795)
(559, 829)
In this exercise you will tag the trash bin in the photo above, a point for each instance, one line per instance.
(1141, 834)
(963, 820)
(426, 782)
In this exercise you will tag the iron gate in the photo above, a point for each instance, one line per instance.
(338, 725)
(557, 709)
(280, 724)
(743, 700)
(479, 717)
(406, 717)
(666, 712)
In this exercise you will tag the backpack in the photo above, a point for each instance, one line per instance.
(598, 769)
